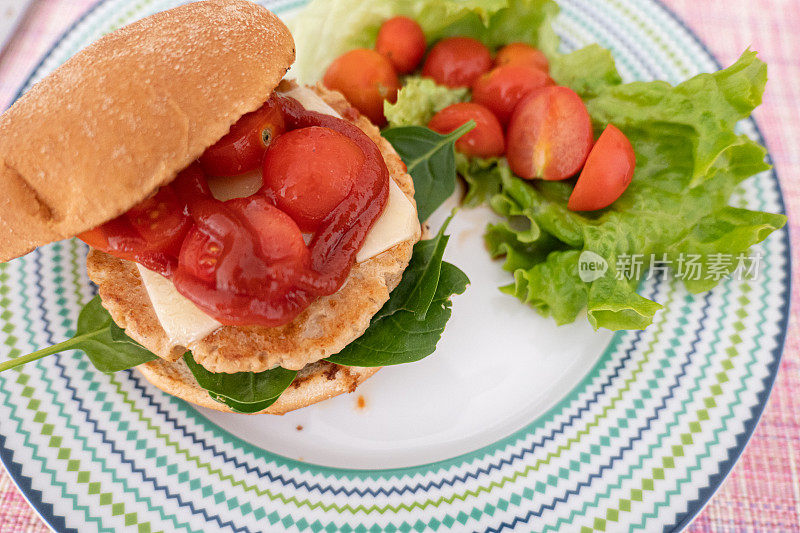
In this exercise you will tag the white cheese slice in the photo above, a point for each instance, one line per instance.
(311, 100)
(185, 323)
(397, 223)
(242, 186)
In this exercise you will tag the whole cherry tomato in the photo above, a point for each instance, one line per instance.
(457, 61)
(502, 88)
(366, 79)
(401, 40)
(607, 173)
(485, 140)
(309, 171)
(242, 148)
(522, 54)
(549, 135)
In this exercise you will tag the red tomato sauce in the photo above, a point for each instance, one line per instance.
(244, 261)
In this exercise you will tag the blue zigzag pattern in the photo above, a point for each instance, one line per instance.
(524, 519)
(335, 491)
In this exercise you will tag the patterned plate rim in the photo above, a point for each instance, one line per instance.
(682, 520)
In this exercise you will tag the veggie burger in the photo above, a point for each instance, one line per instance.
(239, 223)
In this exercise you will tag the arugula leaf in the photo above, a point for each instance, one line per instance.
(430, 159)
(419, 99)
(410, 324)
(105, 343)
(245, 392)
(417, 289)
(244, 408)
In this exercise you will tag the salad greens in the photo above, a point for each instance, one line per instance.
(419, 99)
(689, 160)
(105, 343)
(429, 158)
(326, 29)
(689, 156)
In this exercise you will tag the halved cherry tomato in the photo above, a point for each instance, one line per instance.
(200, 255)
(457, 61)
(242, 148)
(280, 237)
(607, 173)
(96, 238)
(238, 263)
(502, 88)
(550, 135)
(366, 79)
(161, 221)
(309, 171)
(401, 40)
(150, 233)
(485, 140)
(522, 54)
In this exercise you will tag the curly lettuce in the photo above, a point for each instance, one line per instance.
(419, 99)
(689, 161)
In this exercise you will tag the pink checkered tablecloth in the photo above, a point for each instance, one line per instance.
(763, 491)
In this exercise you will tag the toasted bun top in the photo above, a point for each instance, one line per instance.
(125, 115)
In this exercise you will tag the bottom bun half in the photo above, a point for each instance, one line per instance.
(315, 383)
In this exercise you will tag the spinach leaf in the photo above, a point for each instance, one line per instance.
(410, 324)
(430, 159)
(245, 392)
(415, 292)
(106, 344)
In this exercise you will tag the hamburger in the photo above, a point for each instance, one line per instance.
(222, 256)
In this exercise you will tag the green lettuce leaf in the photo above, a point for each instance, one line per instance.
(419, 99)
(325, 29)
(586, 71)
(482, 176)
(689, 161)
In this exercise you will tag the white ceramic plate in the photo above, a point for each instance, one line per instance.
(514, 423)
